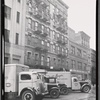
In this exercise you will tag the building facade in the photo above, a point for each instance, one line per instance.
(93, 58)
(93, 66)
(14, 31)
(46, 37)
(79, 54)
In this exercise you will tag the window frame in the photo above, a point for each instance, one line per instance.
(73, 63)
(7, 12)
(25, 77)
(7, 35)
(29, 57)
(17, 39)
(18, 17)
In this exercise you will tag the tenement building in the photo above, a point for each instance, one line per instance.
(93, 58)
(93, 64)
(14, 31)
(79, 54)
(46, 37)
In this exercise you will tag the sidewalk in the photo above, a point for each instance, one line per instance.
(91, 95)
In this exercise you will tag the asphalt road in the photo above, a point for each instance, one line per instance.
(77, 95)
(71, 96)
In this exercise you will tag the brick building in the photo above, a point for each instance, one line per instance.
(79, 54)
(46, 37)
(93, 66)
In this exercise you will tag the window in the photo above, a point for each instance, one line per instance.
(43, 28)
(48, 31)
(7, 12)
(67, 65)
(48, 44)
(6, 60)
(18, 1)
(53, 33)
(30, 7)
(75, 80)
(48, 61)
(36, 24)
(18, 17)
(28, 55)
(29, 40)
(66, 51)
(59, 61)
(36, 56)
(62, 50)
(29, 23)
(84, 54)
(54, 59)
(79, 66)
(66, 40)
(54, 48)
(17, 38)
(7, 34)
(85, 66)
(62, 37)
(33, 25)
(42, 60)
(42, 42)
(63, 62)
(72, 50)
(73, 63)
(25, 77)
(58, 49)
(79, 53)
(58, 35)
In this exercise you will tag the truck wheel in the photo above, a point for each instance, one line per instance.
(86, 89)
(54, 93)
(64, 91)
(28, 95)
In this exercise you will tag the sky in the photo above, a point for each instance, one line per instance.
(82, 17)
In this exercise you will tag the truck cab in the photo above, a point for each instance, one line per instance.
(31, 81)
(19, 81)
(83, 86)
(75, 84)
(52, 87)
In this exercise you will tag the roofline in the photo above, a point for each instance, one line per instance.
(63, 3)
(16, 64)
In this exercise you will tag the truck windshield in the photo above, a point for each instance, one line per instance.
(35, 76)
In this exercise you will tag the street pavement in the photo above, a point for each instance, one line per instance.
(76, 95)
(71, 96)
(92, 93)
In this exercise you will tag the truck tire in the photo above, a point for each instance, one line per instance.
(28, 95)
(54, 93)
(64, 91)
(86, 89)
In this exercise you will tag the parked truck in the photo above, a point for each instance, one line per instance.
(52, 87)
(64, 77)
(20, 82)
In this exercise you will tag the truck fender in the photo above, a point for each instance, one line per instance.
(63, 87)
(28, 88)
(85, 85)
(55, 88)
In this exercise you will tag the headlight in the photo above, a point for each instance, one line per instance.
(8, 84)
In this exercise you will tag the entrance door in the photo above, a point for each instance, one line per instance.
(75, 84)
